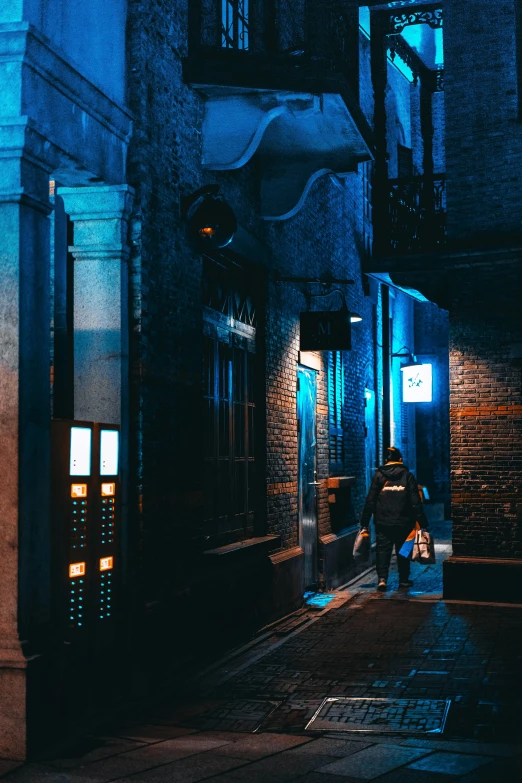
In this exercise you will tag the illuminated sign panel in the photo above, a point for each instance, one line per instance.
(78, 490)
(108, 489)
(80, 461)
(76, 569)
(106, 563)
(109, 447)
(417, 383)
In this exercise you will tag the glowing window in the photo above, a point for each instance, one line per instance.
(417, 383)
(76, 569)
(80, 461)
(109, 447)
(108, 489)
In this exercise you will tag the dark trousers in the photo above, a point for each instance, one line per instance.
(388, 536)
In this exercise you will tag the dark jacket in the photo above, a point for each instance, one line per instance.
(393, 498)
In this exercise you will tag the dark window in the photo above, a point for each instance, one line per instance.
(335, 410)
(404, 161)
(367, 230)
(231, 467)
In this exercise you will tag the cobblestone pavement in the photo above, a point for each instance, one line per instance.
(408, 649)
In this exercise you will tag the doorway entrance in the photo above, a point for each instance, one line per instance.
(307, 483)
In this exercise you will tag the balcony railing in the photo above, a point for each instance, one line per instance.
(417, 214)
(317, 38)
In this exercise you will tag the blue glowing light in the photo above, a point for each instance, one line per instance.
(318, 599)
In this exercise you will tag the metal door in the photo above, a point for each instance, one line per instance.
(306, 402)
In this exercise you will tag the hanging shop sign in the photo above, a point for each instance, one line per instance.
(329, 331)
(417, 383)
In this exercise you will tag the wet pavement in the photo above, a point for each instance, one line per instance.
(390, 664)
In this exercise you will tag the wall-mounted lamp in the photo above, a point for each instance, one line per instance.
(412, 359)
(211, 223)
(417, 378)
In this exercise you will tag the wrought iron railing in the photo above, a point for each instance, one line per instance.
(417, 214)
(321, 37)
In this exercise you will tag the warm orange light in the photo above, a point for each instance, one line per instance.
(76, 569)
(108, 489)
(78, 490)
(207, 231)
(106, 563)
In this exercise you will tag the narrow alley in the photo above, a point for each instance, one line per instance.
(246, 719)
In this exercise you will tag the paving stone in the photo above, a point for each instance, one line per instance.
(240, 715)
(43, 773)
(334, 747)
(188, 770)
(320, 777)
(405, 775)
(371, 762)
(98, 748)
(153, 732)
(476, 748)
(282, 767)
(450, 763)
(257, 746)
(170, 750)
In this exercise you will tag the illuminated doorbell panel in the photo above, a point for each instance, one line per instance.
(85, 500)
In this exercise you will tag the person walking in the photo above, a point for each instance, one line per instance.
(395, 504)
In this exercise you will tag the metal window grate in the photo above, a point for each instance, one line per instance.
(397, 716)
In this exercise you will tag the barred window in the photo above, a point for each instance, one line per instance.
(234, 24)
(335, 410)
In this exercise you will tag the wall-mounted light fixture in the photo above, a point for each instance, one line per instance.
(211, 222)
(417, 378)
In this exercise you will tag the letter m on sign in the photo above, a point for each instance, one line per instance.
(326, 331)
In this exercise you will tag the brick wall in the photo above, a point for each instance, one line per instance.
(483, 137)
(486, 413)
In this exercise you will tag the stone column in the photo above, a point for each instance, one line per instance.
(101, 322)
(100, 250)
(24, 416)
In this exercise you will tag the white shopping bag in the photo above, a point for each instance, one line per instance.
(423, 548)
(362, 546)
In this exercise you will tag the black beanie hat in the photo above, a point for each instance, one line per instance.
(393, 454)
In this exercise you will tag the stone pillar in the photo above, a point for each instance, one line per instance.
(24, 417)
(101, 323)
(100, 250)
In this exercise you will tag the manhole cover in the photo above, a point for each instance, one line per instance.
(239, 715)
(404, 716)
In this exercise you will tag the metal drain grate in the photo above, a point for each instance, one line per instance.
(400, 716)
(240, 715)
